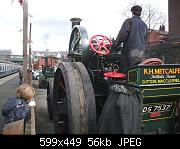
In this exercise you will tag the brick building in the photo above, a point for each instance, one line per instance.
(157, 36)
(40, 62)
(39, 58)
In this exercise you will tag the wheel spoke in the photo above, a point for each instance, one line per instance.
(105, 48)
(100, 47)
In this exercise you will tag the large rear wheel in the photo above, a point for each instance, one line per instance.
(73, 100)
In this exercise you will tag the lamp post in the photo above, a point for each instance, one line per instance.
(25, 28)
(30, 61)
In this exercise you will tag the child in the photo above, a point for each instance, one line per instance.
(17, 108)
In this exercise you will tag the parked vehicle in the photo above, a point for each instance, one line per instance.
(35, 74)
(48, 70)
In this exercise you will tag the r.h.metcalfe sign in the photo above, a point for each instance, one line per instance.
(155, 75)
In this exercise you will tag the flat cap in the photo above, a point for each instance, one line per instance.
(136, 8)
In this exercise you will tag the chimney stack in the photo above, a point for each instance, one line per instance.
(75, 21)
(174, 14)
(162, 28)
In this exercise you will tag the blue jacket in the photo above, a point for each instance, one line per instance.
(133, 34)
(15, 109)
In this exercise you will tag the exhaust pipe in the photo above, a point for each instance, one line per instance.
(75, 21)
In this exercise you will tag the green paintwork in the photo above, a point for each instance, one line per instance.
(160, 88)
(47, 72)
(156, 75)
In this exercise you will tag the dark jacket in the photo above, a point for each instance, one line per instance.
(20, 73)
(15, 109)
(133, 34)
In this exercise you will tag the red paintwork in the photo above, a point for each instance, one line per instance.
(114, 75)
(101, 45)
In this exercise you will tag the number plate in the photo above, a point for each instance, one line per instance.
(163, 107)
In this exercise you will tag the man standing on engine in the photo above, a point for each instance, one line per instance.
(133, 35)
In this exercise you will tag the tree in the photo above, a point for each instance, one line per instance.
(151, 15)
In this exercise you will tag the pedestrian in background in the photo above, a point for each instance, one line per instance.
(20, 75)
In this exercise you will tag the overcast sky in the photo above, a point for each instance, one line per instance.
(51, 26)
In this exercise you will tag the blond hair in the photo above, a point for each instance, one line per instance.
(25, 91)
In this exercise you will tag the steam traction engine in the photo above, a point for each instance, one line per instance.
(81, 87)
